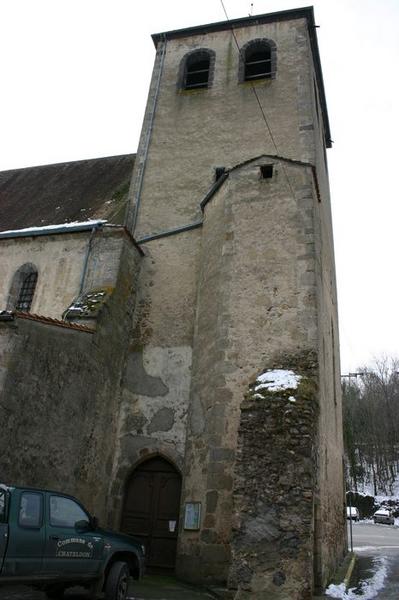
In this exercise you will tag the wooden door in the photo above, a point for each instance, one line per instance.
(151, 511)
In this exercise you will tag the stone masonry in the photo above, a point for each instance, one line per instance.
(250, 278)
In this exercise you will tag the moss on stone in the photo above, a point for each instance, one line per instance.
(121, 192)
(89, 304)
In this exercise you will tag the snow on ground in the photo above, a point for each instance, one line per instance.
(367, 489)
(371, 522)
(368, 589)
(277, 380)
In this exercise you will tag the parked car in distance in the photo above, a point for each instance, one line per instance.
(385, 516)
(49, 541)
(352, 513)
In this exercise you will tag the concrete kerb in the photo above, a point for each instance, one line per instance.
(350, 568)
(220, 593)
(343, 573)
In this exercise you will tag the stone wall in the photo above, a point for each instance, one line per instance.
(329, 509)
(256, 298)
(156, 380)
(60, 398)
(275, 482)
(60, 262)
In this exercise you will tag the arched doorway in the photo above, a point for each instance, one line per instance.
(151, 510)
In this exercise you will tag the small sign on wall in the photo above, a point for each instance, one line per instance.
(172, 526)
(192, 516)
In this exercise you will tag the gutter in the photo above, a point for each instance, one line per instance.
(142, 163)
(210, 193)
(86, 261)
(168, 232)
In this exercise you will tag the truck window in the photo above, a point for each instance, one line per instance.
(64, 512)
(2, 506)
(30, 510)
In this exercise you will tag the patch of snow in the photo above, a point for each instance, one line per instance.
(292, 399)
(32, 230)
(277, 380)
(5, 487)
(336, 591)
(365, 522)
(368, 548)
(367, 489)
(367, 590)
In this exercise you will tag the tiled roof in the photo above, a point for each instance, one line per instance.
(65, 192)
(49, 321)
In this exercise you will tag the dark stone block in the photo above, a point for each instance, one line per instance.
(209, 536)
(279, 578)
(137, 380)
(211, 501)
(215, 553)
(222, 454)
(219, 481)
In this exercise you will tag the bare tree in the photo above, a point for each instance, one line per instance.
(371, 426)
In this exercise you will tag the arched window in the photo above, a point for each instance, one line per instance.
(23, 288)
(196, 70)
(27, 290)
(258, 60)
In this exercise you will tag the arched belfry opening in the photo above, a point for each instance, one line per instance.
(151, 510)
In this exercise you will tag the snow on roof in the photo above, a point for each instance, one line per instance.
(277, 380)
(50, 229)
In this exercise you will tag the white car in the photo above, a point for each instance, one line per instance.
(352, 513)
(384, 515)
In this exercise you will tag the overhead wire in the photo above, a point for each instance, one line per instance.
(262, 111)
(264, 116)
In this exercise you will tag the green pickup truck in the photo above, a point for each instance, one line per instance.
(49, 541)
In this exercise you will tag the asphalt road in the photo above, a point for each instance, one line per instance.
(376, 573)
(150, 588)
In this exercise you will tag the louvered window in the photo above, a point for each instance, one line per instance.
(258, 62)
(197, 71)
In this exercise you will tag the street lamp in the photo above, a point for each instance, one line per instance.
(349, 376)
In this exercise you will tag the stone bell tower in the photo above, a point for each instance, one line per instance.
(230, 202)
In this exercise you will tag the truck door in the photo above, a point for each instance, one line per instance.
(70, 549)
(3, 526)
(26, 536)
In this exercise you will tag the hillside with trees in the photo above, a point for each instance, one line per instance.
(371, 428)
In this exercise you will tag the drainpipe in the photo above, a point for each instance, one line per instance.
(86, 262)
(147, 140)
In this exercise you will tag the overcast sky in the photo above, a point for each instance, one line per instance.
(75, 76)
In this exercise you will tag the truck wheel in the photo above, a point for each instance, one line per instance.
(117, 582)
